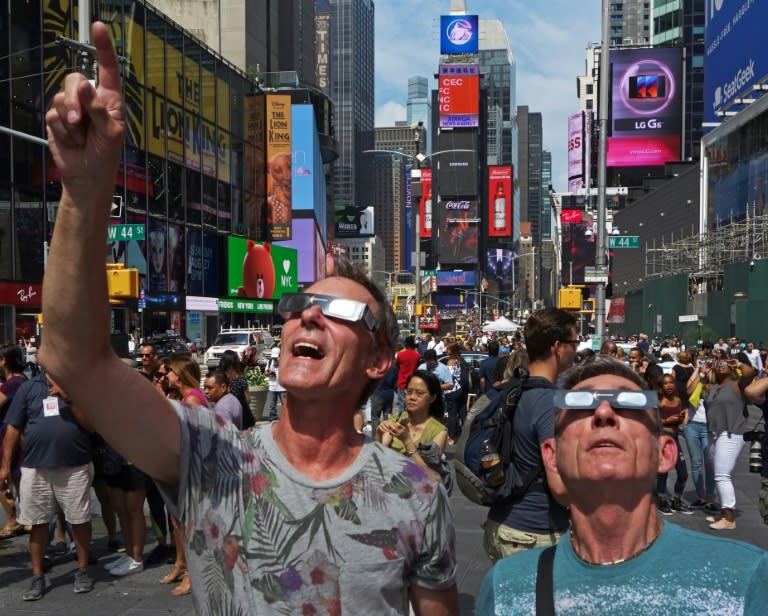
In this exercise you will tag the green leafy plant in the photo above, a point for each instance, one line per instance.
(255, 377)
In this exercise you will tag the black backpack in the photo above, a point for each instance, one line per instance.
(492, 418)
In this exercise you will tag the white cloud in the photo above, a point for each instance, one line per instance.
(389, 112)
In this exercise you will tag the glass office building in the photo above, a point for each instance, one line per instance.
(184, 179)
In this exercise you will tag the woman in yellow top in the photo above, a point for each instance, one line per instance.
(418, 432)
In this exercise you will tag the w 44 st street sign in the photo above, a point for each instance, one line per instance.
(623, 241)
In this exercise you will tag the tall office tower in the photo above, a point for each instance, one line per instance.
(259, 36)
(419, 107)
(547, 279)
(530, 156)
(352, 91)
(630, 22)
(389, 189)
(546, 205)
(681, 24)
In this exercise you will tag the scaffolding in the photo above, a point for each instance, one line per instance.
(703, 256)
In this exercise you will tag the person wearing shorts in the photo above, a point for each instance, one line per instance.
(56, 474)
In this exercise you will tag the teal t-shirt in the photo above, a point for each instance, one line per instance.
(684, 572)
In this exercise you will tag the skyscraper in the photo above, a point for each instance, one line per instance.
(681, 24)
(352, 90)
(419, 107)
(630, 22)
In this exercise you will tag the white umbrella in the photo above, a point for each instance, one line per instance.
(501, 324)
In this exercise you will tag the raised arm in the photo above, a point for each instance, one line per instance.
(86, 126)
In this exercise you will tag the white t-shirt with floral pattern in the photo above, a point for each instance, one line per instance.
(264, 539)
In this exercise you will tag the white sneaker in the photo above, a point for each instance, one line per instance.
(128, 567)
(115, 563)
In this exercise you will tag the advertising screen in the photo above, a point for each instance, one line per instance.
(354, 221)
(408, 219)
(498, 265)
(733, 60)
(304, 241)
(260, 271)
(459, 95)
(500, 201)
(302, 167)
(575, 151)
(457, 164)
(201, 264)
(646, 107)
(425, 205)
(456, 279)
(459, 231)
(279, 176)
(459, 34)
(578, 249)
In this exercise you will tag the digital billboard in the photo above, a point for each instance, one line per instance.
(459, 95)
(202, 266)
(279, 176)
(498, 265)
(459, 34)
(576, 151)
(354, 221)
(578, 249)
(456, 279)
(733, 59)
(308, 245)
(499, 201)
(408, 219)
(260, 271)
(457, 164)
(646, 107)
(459, 231)
(425, 205)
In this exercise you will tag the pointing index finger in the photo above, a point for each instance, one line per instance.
(109, 72)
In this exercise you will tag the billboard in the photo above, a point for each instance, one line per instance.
(279, 176)
(456, 279)
(409, 219)
(733, 59)
(457, 165)
(498, 265)
(202, 265)
(303, 153)
(575, 151)
(499, 201)
(646, 107)
(425, 205)
(459, 95)
(354, 221)
(166, 257)
(260, 271)
(459, 34)
(459, 231)
(322, 45)
(578, 249)
(308, 244)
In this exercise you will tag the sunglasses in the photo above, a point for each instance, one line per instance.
(146, 354)
(160, 375)
(351, 310)
(617, 398)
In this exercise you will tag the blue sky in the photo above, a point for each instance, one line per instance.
(548, 39)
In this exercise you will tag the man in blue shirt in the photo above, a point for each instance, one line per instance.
(487, 367)
(619, 556)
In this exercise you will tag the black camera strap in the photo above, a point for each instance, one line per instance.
(545, 591)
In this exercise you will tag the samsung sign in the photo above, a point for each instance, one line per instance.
(734, 59)
(458, 34)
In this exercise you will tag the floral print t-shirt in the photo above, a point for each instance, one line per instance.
(264, 539)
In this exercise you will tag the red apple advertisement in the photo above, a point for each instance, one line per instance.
(500, 201)
(425, 206)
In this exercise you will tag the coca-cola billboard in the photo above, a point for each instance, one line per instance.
(459, 231)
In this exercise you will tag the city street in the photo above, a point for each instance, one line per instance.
(142, 595)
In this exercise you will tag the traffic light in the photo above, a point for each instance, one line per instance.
(569, 298)
(122, 283)
(588, 306)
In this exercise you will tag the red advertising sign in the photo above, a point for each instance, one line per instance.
(459, 93)
(616, 311)
(500, 201)
(570, 216)
(425, 205)
(21, 294)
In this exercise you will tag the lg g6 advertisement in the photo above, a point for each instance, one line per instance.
(646, 107)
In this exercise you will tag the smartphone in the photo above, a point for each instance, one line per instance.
(404, 421)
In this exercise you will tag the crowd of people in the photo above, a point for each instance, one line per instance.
(305, 514)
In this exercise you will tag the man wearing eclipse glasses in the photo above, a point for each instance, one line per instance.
(619, 556)
(303, 515)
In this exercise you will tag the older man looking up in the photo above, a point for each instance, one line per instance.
(619, 557)
(303, 515)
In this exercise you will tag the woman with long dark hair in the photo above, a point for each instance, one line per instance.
(418, 429)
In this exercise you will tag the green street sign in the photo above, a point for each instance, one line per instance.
(117, 233)
(623, 241)
(229, 304)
